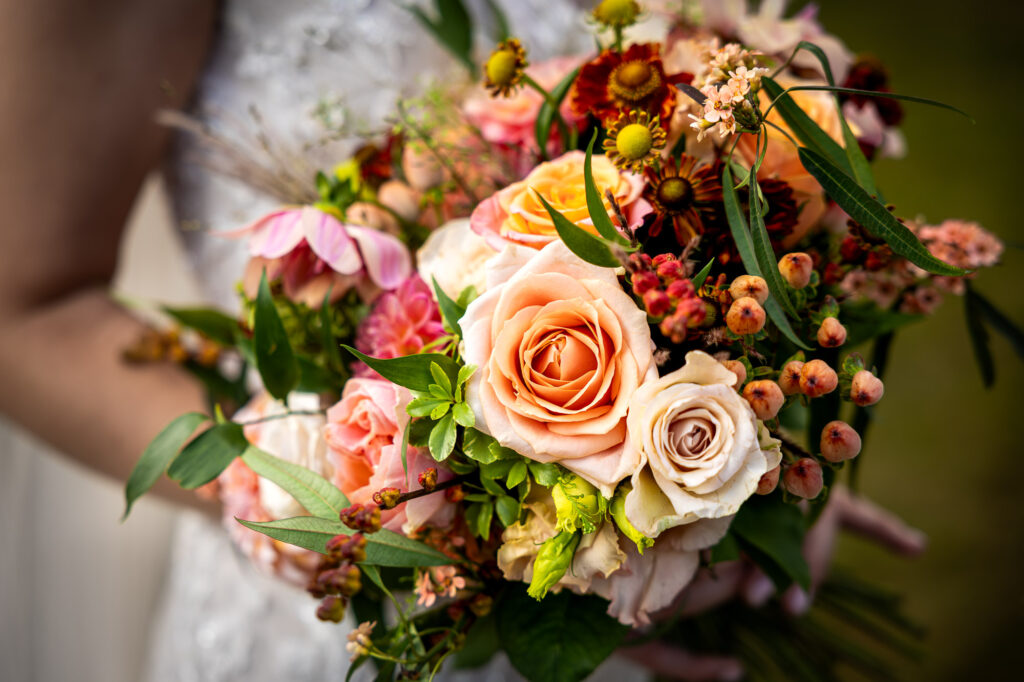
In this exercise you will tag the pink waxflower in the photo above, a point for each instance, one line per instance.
(440, 581)
(963, 244)
(312, 250)
(401, 322)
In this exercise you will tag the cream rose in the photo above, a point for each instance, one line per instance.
(700, 445)
(454, 255)
(561, 349)
(515, 214)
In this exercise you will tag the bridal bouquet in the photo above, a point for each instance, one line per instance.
(559, 344)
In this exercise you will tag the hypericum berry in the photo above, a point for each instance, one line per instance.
(737, 368)
(817, 379)
(804, 478)
(749, 285)
(769, 481)
(765, 398)
(839, 441)
(656, 302)
(365, 518)
(331, 609)
(680, 289)
(789, 377)
(428, 479)
(745, 316)
(644, 281)
(831, 333)
(866, 389)
(671, 270)
(796, 269)
(347, 548)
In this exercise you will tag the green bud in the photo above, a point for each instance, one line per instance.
(552, 562)
(578, 504)
(618, 510)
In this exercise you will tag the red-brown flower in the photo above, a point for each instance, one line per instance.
(685, 195)
(624, 81)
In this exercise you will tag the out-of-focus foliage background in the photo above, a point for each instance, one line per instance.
(944, 453)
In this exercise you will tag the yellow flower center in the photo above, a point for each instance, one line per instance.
(617, 12)
(633, 81)
(675, 193)
(634, 141)
(501, 67)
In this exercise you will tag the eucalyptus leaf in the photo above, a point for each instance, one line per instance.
(203, 459)
(314, 492)
(158, 454)
(585, 245)
(275, 359)
(411, 371)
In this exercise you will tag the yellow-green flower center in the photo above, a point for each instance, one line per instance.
(634, 80)
(634, 141)
(617, 12)
(501, 67)
(675, 193)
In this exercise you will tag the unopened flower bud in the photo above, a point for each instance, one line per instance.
(365, 518)
(617, 13)
(804, 478)
(831, 333)
(553, 560)
(481, 604)
(839, 441)
(737, 368)
(789, 377)
(866, 389)
(331, 609)
(656, 302)
(796, 269)
(817, 379)
(371, 215)
(749, 285)
(428, 479)
(625, 526)
(745, 316)
(645, 281)
(671, 270)
(765, 398)
(359, 641)
(680, 289)
(454, 494)
(343, 580)
(578, 504)
(769, 481)
(388, 497)
(400, 198)
(347, 548)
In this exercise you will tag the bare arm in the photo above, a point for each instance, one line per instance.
(79, 85)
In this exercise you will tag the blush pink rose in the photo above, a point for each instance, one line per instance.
(560, 349)
(364, 438)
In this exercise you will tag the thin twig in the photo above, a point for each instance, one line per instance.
(450, 483)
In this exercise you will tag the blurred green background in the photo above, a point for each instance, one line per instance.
(943, 452)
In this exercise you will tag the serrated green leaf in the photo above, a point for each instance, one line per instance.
(203, 459)
(517, 474)
(314, 492)
(549, 109)
(585, 245)
(411, 371)
(464, 415)
(275, 359)
(507, 509)
(157, 455)
(211, 323)
(442, 438)
(545, 473)
(702, 276)
(595, 205)
(872, 215)
(451, 311)
(383, 548)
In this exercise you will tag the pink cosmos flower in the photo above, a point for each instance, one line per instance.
(311, 251)
(401, 322)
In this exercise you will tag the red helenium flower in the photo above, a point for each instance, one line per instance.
(625, 81)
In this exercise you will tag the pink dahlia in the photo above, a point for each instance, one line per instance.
(401, 322)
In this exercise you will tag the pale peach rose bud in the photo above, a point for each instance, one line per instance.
(831, 333)
(749, 285)
(817, 379)
(422, 170)
(839, 441)
(737, 368)
(796, 269)
(769, 481)
(400, 198)
(789, 378)
(362, 213)
(804, 478)
(745, 316)
(765, 398)
(866, 389)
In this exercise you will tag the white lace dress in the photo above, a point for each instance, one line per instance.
(297, 64)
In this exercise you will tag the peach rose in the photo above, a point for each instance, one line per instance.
(561, 349)
(700, 444)
(516, 215)
(364, 439)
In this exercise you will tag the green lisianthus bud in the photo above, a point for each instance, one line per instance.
(578, 504)
(618, 510)
(552, 562)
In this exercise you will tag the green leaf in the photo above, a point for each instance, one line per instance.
(481, 644)
(314, 492)
(483, 520)
(440, 410)
(979, 340)
(476, 446)
(315, 379)
(549, 109)
(497, 469)
(332, 351)
(508, 510)
(441, 379)
(560, 639)
(595, 205)
(423, 406)
(775, 529)
(464, 415)
(275, 360)
(501, 27)
(702, 276)
(872, 215)
(727, 549)
(585, 245)
(804, 128)
(207, 321)
(998, 321)
(208, 455)
(765, 254)
(158, 454)
(383, 548)
(451, 311)
(453, 28)
(545, 473)
(442, 438)
(517, 474)
(865, 321)
(411, 371)
(465, 372)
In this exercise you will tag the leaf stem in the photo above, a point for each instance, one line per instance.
(284, 415)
